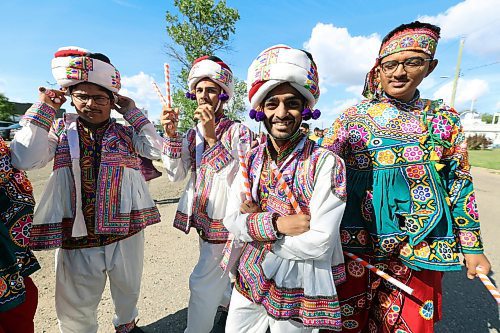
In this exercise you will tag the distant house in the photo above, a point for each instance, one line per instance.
(472, 124)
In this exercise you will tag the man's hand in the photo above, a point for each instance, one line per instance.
(205, 114)
(293, 225)
(123, 104)
(476, 263)
(169, 120)
(249, 206)
(52, 97)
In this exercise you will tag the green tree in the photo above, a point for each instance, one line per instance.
(6, 108)
(202, 27)
(487, 118)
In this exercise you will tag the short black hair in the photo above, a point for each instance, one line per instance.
(317, 129)
(103, 58)
(305, 125)
(412, 25)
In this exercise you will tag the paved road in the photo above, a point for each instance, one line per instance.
(171, 255)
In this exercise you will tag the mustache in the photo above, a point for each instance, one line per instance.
(89, 110)
(277, 119)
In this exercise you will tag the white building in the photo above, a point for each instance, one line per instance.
(472, 124)
(119, 117)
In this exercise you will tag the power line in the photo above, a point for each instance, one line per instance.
(481, 66)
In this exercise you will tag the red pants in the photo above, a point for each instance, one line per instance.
(20, 318)
(371, 304)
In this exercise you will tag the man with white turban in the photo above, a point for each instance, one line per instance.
(290, 226)
(96, 202)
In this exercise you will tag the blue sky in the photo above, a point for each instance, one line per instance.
(343, 37)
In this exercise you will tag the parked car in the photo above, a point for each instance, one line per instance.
(6, 127)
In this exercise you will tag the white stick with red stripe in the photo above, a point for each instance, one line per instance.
(380, 273)
(244, 172)
(158, 92)
(284, 186)
(166, 68)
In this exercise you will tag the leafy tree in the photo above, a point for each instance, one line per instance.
(202, 28)
(478, 141)
(6, 108)
(487, 118)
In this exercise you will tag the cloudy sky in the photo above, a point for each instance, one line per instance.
(343, 37)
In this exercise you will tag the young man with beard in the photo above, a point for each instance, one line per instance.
(96, 202)
(210, 152)
(285, 277)
(411, 207)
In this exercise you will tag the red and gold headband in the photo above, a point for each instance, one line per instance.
(412, 39)
(417, 39)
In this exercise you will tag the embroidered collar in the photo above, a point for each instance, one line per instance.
(285, 150)
(415, 105)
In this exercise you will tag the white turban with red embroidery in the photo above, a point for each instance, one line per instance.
(72, 65)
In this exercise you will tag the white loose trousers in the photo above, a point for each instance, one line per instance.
(81, 278)
(209, 287)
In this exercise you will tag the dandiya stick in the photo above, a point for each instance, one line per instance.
(380, 273)
(160, 95)
(166, 68)
(284, 186)
(491, 288)
(244, 171)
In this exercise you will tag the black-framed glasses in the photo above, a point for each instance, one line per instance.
(409, 65)
(98, 99)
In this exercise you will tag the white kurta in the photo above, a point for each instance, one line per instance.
(300, 263)
(41, 141)
(203, 206)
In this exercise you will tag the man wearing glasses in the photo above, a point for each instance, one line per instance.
(411, 206)
(96, 202)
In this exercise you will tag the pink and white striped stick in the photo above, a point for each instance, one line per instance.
(160, 95)
(166, 68)
(244, 171)
(380, 273)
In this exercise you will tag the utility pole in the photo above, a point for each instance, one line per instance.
(457, 73)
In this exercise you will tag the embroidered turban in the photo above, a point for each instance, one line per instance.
(214, 69)
(72, 65)
(282, 64)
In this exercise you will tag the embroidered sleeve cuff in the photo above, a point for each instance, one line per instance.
(470, 241)
(136, 118)
(261, 226)
(41, 115)
(172, 147)
(217, 157)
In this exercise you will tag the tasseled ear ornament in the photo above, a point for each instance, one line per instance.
(257, 115)
(223, 97)
(307, 114)
(190, 95)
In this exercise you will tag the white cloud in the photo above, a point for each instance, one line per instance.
(355, 89)
(477, 20)
(342, 58)
(497, 107)
(139, 88)
(467, 90)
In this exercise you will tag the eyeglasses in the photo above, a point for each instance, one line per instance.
(98, 99)
(409, 65)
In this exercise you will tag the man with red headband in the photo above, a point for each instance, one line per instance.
(411, 208)
(290, 218)
(210, 152)
(96, 202)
